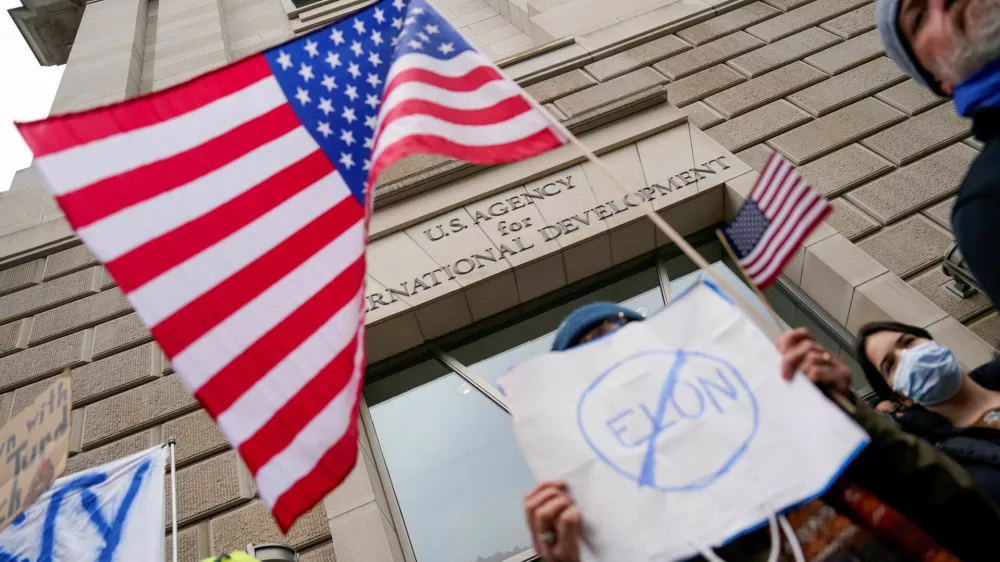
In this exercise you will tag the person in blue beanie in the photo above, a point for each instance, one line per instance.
(953, 48)
(936, 509)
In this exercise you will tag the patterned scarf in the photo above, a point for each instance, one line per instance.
(860, 528)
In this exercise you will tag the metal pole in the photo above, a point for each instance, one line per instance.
(664, 279)
(172, 443)
(475, 380)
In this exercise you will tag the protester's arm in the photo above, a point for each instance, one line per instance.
(906, 472)
(928, 486)
(801, 353)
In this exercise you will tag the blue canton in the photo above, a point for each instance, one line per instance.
(334, 77)
(746, 230)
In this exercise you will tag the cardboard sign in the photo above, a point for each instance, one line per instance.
(34, 446)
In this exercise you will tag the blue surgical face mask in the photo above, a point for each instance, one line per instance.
(927, 374)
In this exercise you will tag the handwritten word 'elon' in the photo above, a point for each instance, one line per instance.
(689, 400)
(509, 229)
(666, 404)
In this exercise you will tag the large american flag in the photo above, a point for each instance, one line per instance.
(774, 221)
(232, 210)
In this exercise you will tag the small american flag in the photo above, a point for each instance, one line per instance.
(232, 210)
(775, 219)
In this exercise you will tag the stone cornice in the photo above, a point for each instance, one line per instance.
(49, 27)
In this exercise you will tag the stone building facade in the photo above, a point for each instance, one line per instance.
(470, 267)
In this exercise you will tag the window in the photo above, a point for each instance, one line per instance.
(454, 465)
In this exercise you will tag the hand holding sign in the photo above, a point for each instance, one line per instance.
(555, 522)
(676, 433)
(801, 353)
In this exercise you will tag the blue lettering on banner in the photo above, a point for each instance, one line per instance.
(109, 526)
(693, 392)
(8, 557)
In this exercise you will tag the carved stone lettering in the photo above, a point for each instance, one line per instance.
(511, 230)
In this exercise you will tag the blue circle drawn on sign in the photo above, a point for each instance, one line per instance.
(698, 483)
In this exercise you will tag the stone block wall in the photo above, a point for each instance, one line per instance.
(810, 79)
(61, 311)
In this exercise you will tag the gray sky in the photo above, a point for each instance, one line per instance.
(26, 93)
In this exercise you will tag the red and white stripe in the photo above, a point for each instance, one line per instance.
(794, 209)
(240, 246)
(462, 107)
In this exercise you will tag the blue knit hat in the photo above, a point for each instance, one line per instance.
(586, 318)
(898, 48)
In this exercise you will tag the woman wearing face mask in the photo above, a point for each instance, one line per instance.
(958, 412)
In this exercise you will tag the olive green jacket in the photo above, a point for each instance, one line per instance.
(927, 486)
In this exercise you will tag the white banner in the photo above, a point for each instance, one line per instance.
(677, 432)
(112, 513)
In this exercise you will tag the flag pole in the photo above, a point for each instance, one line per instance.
(668, 230)
(749, 280)
(770, 328)
(172, 443)
(773, 330)
(834, 394)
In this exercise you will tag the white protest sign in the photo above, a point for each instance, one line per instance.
(112, 513)
(678, 431)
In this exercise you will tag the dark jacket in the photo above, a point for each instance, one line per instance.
(975, 218)
(975, 448)
(928, 487)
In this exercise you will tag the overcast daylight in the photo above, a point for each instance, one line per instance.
(26, 94)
